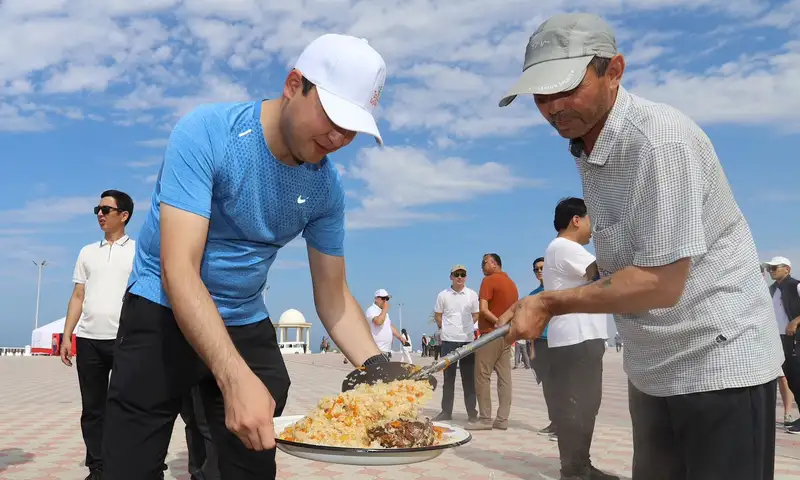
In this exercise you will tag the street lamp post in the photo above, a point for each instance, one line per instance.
(40, 266)
(400, 314)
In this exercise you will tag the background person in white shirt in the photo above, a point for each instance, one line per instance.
(785, 293)
(383, 332)
(576, 342)
(456, 313)
(406, 348)
(101, 277)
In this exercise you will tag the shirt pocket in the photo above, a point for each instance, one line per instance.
(613, 247)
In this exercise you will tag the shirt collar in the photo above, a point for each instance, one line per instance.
(122, 241)
(609, 134)
(462, 292)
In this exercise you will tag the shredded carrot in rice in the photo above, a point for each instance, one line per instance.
(343, 420)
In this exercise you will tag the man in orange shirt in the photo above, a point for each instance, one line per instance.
(497, 294)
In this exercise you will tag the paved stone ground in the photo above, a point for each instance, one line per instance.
(40, 435)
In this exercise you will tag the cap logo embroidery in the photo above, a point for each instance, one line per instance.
(375, 96)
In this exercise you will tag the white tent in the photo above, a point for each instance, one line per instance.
(42, 337)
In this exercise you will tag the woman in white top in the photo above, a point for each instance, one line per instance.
(406, 347)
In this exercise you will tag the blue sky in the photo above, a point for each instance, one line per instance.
(90, 89)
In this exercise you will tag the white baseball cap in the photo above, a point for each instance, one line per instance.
(382, 293)
(779, 261)
(349, 75)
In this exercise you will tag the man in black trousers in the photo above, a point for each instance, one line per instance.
(456, 312)
(100, 277)
(540, 359)
(785, 294)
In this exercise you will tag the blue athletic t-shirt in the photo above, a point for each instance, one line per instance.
(217, 165)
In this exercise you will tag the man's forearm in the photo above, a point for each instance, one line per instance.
(488, 315)
(342, 317)
(74, 309)
(199, 320)
(630, 290)
(380, 318)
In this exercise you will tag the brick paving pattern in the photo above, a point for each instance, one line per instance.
(41, 437)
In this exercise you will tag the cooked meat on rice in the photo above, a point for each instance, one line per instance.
(404, 434)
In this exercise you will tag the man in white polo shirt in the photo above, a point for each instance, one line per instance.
(575, 342)
(456, 312)
(101, 276)
(383, 332)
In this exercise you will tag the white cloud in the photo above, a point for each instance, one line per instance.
(79, 77)
(25, 246)
(153, 143)
(12, 119)
(399, 181)
(448, 62)
(784, 16)
(145, 162)
(754, 89)
(49, 210)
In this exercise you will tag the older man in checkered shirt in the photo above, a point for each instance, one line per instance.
(678, 263)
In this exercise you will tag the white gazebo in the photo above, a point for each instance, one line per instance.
(293, 319)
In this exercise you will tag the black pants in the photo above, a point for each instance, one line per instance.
(94, 359)
(541, 366)
(467, 367)
(791, 364)
(154, 368)
(717, 435)
(577, 388)
(203, 464)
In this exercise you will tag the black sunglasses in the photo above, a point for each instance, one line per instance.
(538, 269)
(385, 298)
(459, 274)
(106, 209)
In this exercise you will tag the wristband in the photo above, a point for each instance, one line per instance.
(379, 358)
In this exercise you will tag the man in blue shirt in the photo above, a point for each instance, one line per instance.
(540, 363)
(238, 182)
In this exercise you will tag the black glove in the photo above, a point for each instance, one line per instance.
(379, 358)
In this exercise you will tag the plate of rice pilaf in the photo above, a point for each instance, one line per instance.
(370, 425)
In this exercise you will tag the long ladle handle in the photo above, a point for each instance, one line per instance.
(461, 352)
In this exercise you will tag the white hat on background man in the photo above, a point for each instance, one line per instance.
(777, 261)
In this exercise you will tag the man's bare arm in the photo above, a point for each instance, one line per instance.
(339, 312)
(183, 240)
(437, 317)
(74, 309)
(630, 290)
(487, 314)
(380, 318)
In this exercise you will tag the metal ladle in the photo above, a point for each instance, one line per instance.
(388, 372)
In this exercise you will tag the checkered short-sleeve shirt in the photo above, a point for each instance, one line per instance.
(656, 193)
